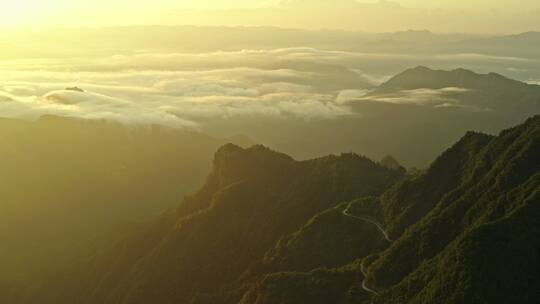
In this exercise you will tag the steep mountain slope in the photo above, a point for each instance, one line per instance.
(412, 198)
(319, 263)
(466, 231)
(465, 236)
(68, 185)
(318, 286)
(252, 198)
(308, 248)
(266, 229)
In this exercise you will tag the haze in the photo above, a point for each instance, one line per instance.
(479, 16)
(269, 151)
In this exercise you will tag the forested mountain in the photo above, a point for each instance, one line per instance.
(480, 242)
(266, 229)
(252, 198)
(465, 231)
(270, 152)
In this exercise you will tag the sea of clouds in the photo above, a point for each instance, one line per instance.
(186, 89)
(180, 90)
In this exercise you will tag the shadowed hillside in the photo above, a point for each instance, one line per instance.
(68, 186)
(466, 231)
(266, 229)
(252, 198)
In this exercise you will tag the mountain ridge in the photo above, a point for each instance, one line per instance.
(266, 229)
(424, 77)
(252, 198)
(428, 281)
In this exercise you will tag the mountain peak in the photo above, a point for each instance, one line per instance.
(463, 71)
(75, 89)
(233, 163)
(422, 77)
(227, 149)
(420, 68)
(241, 140)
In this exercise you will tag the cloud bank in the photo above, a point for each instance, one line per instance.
(185, 90)
(435, 98)
(182, 90)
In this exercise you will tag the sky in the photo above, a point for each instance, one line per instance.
(480, 16)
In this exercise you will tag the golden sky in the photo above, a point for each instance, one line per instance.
(374, 16)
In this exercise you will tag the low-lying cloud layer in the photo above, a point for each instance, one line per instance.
(437, 98)
(187, 89)
(173, 98)
(181, 90)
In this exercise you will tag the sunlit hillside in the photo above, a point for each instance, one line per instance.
(269, 152)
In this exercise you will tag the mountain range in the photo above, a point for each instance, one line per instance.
(267, 229)
(412, 116)
(260, 228)
(206, 39)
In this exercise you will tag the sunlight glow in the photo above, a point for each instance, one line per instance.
(481, 16)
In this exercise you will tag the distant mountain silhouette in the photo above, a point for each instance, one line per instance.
(76, 89)
(531, 38)
(413, 116)
(523, 43)
(424, 77)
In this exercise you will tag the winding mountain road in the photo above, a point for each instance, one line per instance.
(381, 229)
(364, 281)
(369, 220)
